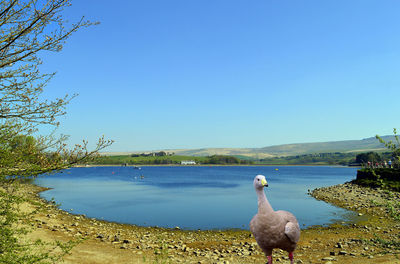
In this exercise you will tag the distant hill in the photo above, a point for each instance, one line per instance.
(364, 145)
(368, 144)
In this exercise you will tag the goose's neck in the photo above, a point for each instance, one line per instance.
(264, 206)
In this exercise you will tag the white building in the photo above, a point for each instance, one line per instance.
(188, 162)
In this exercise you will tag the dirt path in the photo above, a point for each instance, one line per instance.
(105, 242)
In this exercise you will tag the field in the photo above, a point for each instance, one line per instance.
(167, 159)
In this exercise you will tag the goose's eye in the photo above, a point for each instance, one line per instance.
(258, 179)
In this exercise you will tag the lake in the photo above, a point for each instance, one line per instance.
(194, 197)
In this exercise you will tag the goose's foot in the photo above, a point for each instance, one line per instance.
(269, 259)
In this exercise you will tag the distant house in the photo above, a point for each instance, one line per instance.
(188, 162)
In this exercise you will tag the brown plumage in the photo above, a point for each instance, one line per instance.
(273, 229)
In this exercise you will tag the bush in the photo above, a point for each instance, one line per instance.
(386, 178)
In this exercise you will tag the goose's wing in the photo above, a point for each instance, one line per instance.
(292, 228)
(292, 231)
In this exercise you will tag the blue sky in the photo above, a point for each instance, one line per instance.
(172, 74)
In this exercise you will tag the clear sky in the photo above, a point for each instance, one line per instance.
(165, 74)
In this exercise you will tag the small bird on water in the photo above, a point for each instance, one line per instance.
(273, 229)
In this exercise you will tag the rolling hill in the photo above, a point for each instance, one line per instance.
(364, 145)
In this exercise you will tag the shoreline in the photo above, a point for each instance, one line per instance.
(136, 244)
(212, 165)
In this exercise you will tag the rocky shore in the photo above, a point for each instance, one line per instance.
(375, 240)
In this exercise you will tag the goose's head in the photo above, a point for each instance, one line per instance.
(260, 182)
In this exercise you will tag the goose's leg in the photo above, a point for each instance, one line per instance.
(291, 257)
(269, 259)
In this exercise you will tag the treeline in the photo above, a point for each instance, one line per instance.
(221, 159)
(153, 154)
(334, 158)
(168, 160)
(374, 157)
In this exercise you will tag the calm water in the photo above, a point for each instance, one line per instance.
(194, 197)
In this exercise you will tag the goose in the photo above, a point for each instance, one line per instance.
(273, 229)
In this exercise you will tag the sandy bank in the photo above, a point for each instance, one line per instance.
(107, 242)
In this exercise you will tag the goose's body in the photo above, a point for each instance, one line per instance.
(273, 229)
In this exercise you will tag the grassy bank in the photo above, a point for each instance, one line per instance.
(168, 160)
(308, 159)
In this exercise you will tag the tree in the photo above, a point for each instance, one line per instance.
(27, 29)
(394, 147)
(363, 158)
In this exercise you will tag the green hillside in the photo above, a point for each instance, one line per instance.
(368, 144)
(364, 145)
(346, 146)
(167, 160)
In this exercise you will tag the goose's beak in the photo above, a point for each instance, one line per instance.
(264, 183)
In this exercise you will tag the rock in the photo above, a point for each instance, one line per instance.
(342, 252)
(339, 245)
(328, 259)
